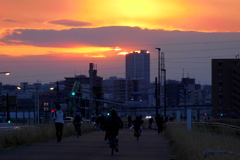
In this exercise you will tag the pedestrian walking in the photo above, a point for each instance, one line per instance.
(129, 120)
(159, 122)
(150, 121)
(59, 120)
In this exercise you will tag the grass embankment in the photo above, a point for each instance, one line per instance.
(35, 134)
(190, 145)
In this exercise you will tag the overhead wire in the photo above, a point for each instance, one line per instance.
(168, 60)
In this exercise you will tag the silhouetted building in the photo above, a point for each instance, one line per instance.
(191, 93)
(226, 88)
(138, 67)
(122, 90)
(172, 93)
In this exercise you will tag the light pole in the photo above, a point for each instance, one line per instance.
(165, 96)
(158, 84)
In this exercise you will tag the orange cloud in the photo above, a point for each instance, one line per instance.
(185, 15)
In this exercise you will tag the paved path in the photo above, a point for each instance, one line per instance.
(91, 146)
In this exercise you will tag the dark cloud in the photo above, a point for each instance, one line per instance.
(67, 22)
(129, 37)
(191, 51)
(9, 20)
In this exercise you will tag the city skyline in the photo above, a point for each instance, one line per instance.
(46, 41)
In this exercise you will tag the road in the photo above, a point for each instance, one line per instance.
(91, 146)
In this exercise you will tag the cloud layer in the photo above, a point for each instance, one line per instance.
(67, 22)
(108, 36)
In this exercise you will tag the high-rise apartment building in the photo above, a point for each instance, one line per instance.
(138, 67)
(226, 88)
(121, 90)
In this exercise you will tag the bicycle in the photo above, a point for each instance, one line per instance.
(113, 144)
(97, 127)
(137, 133)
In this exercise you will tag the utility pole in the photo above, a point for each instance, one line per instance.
(159, 85)
(165, 96)
(185, 93)
(8, 115)
(156, 95)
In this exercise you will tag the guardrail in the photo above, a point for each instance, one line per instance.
(207, 152)
(224, 127)
(220, 125)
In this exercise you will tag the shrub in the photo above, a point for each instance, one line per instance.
(192, 144)
(26, 135)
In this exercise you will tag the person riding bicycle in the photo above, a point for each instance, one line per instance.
(77, 122)
(137, 125)
(113, 124)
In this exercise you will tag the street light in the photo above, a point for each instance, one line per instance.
(6, 73)
(158, 83)
(165, 96)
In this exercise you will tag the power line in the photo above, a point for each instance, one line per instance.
(188, 43)
(117, 59)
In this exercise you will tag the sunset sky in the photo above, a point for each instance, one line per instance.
(47, 40)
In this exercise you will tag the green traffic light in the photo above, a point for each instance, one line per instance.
(73, 93)
(9, 121)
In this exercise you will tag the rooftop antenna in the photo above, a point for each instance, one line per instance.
(237, 56)
(183, 73)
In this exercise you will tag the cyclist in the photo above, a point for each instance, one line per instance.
(113, 124)
(77, 122)
(137, 125)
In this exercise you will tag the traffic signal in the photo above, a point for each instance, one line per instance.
(73, 93)
(8, 120)
(205, 114)
(53, 113)
(108, 114)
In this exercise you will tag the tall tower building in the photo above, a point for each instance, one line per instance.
(138, 67)
(226, 88)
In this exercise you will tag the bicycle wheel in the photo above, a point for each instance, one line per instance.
(112, 145)
(78, 131)
(138, 134)
(112, 151)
